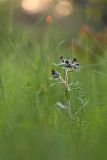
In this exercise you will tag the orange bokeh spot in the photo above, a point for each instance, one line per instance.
(85, 30)
(49, 19)
(101, 36)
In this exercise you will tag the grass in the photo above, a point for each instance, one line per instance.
(31, 125)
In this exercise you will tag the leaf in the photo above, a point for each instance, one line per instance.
(51, 85)
(67, 94)
(61, 105)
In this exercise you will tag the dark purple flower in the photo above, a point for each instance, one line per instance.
(55, 74)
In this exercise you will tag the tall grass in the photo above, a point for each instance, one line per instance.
(31, 124)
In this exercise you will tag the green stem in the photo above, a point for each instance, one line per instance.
(66, 77)
(69, 108)
(69, 99)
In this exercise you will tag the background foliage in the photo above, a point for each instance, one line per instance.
(32, 126)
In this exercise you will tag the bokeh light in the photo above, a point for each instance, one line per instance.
(63, 8)
(59, 8)
(36, 6)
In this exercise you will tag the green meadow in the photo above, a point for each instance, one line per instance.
(32, 126)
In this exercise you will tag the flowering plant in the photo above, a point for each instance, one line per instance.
(68, 65)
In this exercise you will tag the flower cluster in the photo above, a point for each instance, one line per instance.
(69, 64)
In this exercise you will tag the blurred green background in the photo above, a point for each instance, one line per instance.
(33, 35)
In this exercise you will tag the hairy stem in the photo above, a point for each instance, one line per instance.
(66, 78)
(69, 98)
(69, 110)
